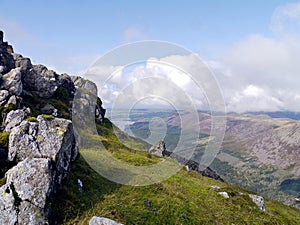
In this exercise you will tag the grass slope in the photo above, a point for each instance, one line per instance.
(185, 198)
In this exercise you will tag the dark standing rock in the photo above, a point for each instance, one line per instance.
(159, 149)
(86, 101)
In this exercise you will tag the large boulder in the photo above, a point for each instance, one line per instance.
(12, 82)
(102, 221)
(32, 180)
(46, 138)
(24, 197)
(40, 81)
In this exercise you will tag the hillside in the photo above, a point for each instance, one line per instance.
(185, 198)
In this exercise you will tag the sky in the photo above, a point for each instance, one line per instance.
(252, 47)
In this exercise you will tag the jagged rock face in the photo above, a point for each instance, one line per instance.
(40, 81)
(159, 149)
(102, 221)
(12, 82)
(42, 150)
(6, 60)
(46, 138)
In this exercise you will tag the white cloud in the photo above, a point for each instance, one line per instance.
(262, 73)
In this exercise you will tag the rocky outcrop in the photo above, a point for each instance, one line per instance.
(40, 152)
(44, 151)
(40, 81)
(192, 165)
(159, 149)
(102, 221)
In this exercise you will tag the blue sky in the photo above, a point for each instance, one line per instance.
(68, 36)
(83, 29)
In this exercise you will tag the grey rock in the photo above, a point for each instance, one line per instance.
(11, 101)
(158, 149)
(224, 194)
(3, 96)
(102, 221)
(32, 180)
(32, 184)
(40, 81)
(6, 60)
(12, 82)
(23, 137)
(8, 212)
(259, 201)
(66, 82)
(49, 110)
(23, 63)
(46, 138)
(86, 105)
(215, 187)
(29, 214)
(14, 118)
(85, 84)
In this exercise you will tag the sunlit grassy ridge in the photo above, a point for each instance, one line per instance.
(185, 198)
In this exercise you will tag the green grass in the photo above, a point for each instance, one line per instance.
(62, 105)
(2, 181)
(31, 119)
(48, 117)
(4, 139)
(185, 198)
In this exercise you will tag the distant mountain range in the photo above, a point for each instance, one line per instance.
(260, 150)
